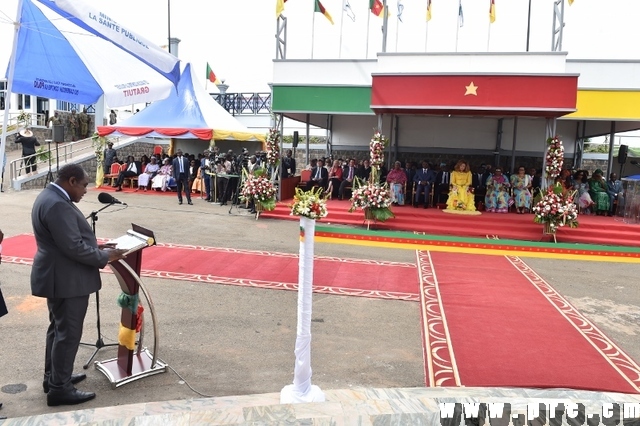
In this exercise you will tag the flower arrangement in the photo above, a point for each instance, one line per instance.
(373, 198)
(376, 147)
(370, 196)
(260, 190)
(554, 158)
(273, 147)
(311, 204)
(556, 210)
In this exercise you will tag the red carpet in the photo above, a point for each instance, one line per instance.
(504, 326)
(592, 229)
(388, 280)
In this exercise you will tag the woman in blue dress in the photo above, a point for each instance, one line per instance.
(521, 184)
(497, 198)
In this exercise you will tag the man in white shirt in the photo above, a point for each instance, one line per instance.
(134, 168)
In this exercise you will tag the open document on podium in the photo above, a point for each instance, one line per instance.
(132, 241)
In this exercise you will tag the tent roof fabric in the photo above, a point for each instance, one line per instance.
(191, 114)
(64, 53)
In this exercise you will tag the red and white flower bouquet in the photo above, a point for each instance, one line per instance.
(556, 210)
(260, 190)
(554, 158)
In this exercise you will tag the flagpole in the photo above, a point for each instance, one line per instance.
(385, 23)
(7, 103)
(489, 37)
(458, 26)
(426, 37)
(397, 27)
(344, 2)
(313, 33)
(366, 52)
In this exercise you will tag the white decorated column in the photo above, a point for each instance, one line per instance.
(302, 390)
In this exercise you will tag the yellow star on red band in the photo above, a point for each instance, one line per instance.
(471, 90)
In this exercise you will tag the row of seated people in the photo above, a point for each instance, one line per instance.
(491, 190)
(338, 179)
(593, 195)
(417, 184)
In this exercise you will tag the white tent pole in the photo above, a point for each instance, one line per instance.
(12, 68)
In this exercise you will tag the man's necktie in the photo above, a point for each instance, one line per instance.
(181, 165)
(350, 173)
(317, 172)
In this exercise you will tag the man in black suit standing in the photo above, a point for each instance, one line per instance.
(66, 270)
(181, 175)
(319, 176)
(134, 168)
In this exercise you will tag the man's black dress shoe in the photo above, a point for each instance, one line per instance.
(72, 397)
(189, 202)
(179, 202)
(75, 379)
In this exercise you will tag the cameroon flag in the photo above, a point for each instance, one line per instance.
(279, 7)
(211, 76)
(320, 8)
(492, 11)
(376, 7)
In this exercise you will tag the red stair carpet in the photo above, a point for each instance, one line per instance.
(591, 229)
(503, 325)
(367, 278)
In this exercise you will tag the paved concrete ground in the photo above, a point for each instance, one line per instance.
(227, 340)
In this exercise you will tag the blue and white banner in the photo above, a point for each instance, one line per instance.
(69, 51)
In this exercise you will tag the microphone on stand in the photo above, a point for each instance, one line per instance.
(106, 198)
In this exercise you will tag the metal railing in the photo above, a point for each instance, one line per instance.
(12, 123)
(244, 103)
(51, 157)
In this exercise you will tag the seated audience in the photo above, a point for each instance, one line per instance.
(319, 176)
(521, 183)
(364, 171)
(424, 180)
(335, 179)
(348, 173)
(162, 179)
(149, 172)
(397, 180)
(614, 189)
(598, 192)
(460, 191)
(134, 168)
(497, 198)
(581, 185)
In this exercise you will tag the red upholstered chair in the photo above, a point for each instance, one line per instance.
(157, 150)
(113, 173)
(305, 175)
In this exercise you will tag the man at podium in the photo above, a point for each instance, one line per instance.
(66, 270)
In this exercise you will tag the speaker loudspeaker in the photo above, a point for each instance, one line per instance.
(622, 154)
(58, 133)
(296, 139)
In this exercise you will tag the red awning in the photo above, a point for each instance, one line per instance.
(475, 94)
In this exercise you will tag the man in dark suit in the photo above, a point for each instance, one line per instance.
(134, 168)
(181, 175)
(348, 173)
(66, 270)
(424, 179)
(410, 172)
(364, 171)
(319, 176)
(443, 180)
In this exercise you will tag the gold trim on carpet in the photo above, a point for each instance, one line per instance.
(462, 212)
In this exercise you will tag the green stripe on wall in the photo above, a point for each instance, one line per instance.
(310, 99)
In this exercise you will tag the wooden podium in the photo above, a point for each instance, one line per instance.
(134, 361)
